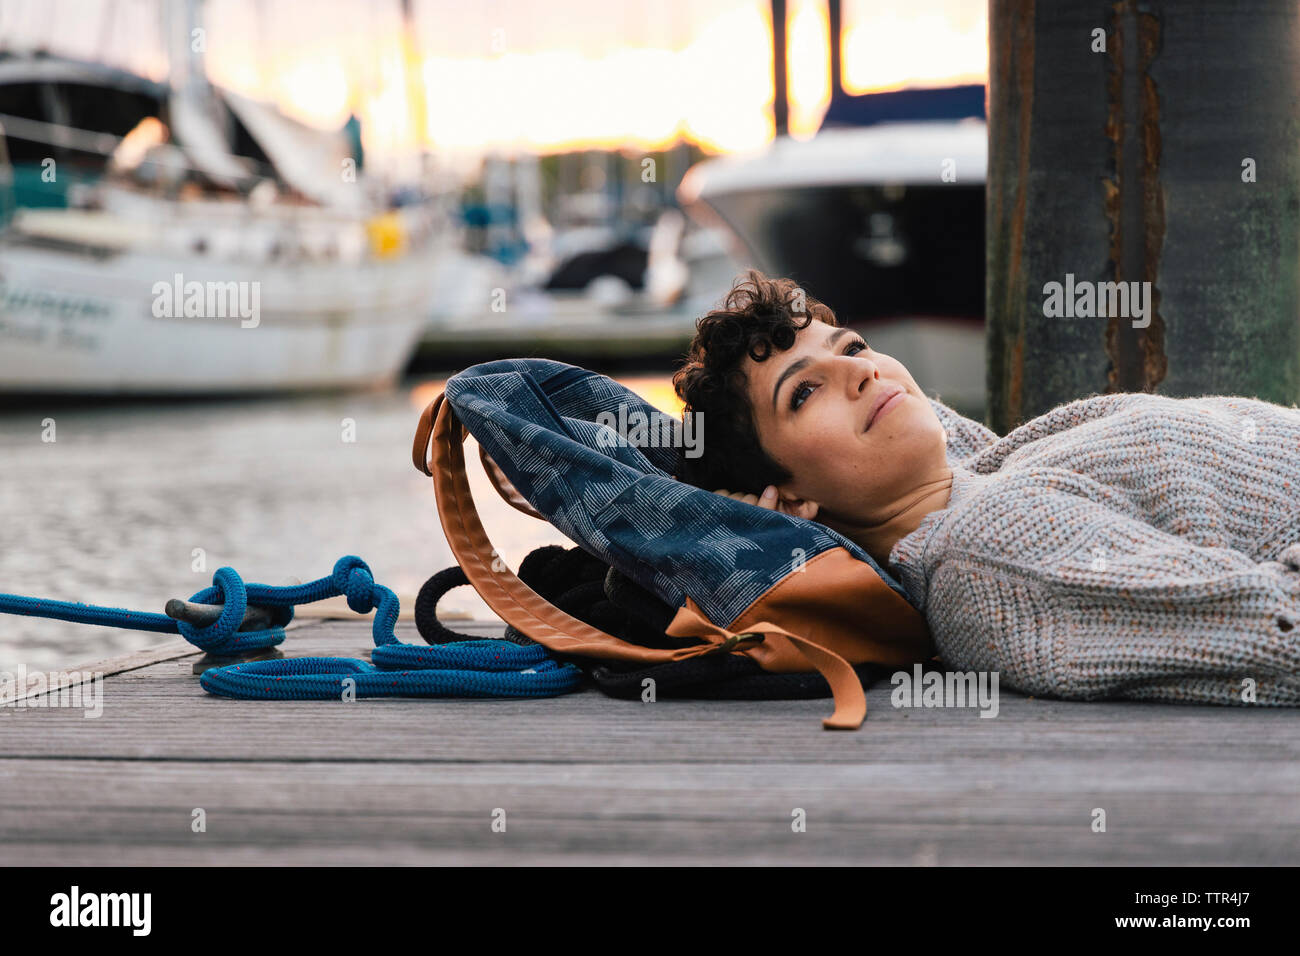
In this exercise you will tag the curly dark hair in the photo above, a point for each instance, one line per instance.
(759, 316)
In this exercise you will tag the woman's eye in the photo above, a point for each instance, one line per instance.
(805, 388)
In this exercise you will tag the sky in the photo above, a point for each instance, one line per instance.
(515, 76)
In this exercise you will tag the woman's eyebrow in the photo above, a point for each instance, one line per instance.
(796, 366)
(790, 370)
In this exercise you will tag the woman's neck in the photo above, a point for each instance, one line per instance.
(878, 539)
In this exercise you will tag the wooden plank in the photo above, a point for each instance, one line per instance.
(1027, 812)
(590, 726)
(336, 608)
(40, 683)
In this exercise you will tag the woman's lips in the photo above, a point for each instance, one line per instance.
(888, 404)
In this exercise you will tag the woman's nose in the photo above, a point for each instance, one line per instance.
(861, 373)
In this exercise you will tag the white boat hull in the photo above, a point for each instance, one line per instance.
(76, 322)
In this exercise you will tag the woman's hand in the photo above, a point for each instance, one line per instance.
(767, 499)
(773, 502)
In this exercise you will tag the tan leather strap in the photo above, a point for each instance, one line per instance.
(529, 612)
(423, 429)
(507, 491)
(846, 687)
(509, 494)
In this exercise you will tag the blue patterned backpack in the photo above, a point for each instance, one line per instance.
(577, 449)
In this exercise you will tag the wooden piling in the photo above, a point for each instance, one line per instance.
(1152, 143)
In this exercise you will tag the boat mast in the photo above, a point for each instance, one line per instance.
(780, 99)
(187, 44)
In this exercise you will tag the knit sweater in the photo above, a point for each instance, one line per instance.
(1119, 546)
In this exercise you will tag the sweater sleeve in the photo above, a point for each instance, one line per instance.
(1068, 598)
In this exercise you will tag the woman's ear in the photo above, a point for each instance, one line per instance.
(790, 503)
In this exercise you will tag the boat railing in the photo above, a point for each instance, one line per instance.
(105, 144)
(302, 229)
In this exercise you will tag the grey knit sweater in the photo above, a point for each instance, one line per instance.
(1124, 545)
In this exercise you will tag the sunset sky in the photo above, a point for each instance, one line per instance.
(514, 75)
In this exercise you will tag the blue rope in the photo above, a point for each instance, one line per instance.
(476, 668)
(320, 678)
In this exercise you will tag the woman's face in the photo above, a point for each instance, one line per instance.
(817, 410)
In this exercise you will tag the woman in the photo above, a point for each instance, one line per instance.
(1122, 545)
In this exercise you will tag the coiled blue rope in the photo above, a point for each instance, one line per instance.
(476, 668)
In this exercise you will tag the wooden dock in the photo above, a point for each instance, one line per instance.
(585, 779)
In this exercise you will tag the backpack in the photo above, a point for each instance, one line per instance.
(577, 449)
(605, 598)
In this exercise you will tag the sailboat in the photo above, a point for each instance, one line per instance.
(165, 238)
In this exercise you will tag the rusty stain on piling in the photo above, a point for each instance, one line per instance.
(1017, 21)
(1135, 196)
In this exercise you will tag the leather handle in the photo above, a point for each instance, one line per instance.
(423, 429)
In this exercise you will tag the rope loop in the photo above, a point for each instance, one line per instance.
(460, 668)
(222, 636)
